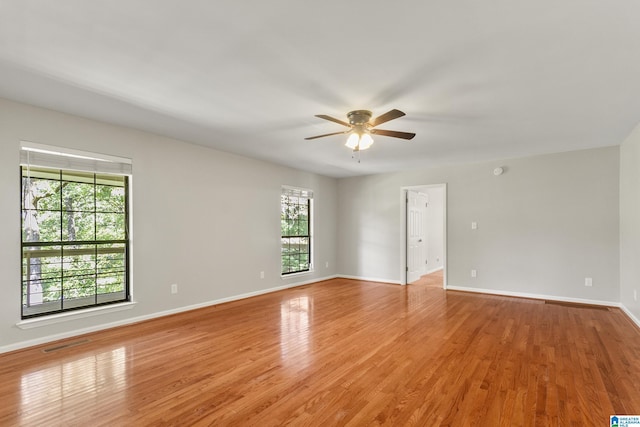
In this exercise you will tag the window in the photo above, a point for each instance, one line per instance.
(295, 224)
(75, 231)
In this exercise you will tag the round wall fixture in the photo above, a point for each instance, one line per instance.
(498, 171)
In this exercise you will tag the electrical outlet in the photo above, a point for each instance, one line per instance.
(588, 281)
(174, 288)
(262, 274)
(474, 225)
(635, 295)
(326, 264)
(474, 273)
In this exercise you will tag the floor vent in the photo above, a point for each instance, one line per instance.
(577, 305)
(66, 345)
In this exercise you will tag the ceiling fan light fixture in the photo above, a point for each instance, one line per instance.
(352, 141)
(365, 141)
(359, 141)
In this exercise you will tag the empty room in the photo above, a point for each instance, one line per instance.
(319, 214)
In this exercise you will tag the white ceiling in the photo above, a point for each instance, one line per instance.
(478, 80)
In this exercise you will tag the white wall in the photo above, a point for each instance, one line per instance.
(543, 226)
(435, 228)
(630, 224)
(204, 219)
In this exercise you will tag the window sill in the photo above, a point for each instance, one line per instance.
(302, 273)
(73, 315)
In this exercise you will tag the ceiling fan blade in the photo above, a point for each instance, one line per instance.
(326, 134)
(393, 133)
(333, 119)
(389, 115)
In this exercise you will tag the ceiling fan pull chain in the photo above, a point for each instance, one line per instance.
(355, 154)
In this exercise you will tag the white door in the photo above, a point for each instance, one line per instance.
(416, 211)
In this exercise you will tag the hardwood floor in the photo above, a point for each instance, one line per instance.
(340, 352)
(433, 279)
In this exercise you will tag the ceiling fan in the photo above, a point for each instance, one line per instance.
(361, 127)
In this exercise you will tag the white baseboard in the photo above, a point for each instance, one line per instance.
(533, 296)
(433, 270)
(368, 279)
(131, 320)
(629, 314)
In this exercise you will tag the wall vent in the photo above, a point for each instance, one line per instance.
(65, 345)
(577, 305)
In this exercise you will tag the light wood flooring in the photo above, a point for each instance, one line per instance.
(339, 352)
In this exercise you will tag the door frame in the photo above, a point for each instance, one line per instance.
(403, 230)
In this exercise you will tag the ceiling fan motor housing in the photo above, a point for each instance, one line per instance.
(359, 117)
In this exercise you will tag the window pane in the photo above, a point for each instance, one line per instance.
(41, 275)
(42, 194)
(303, 228)
(111, 268)
(303, 210)
(304, 244)
(78, 177)
(78, 226)
(61, 206)
(40, 226)
(79, 264)
(110, 226)
(78, 197)
(111, 297)
(295, 217)
(110, 199)
(111, 180)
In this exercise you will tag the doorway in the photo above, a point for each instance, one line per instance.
(423, 236)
